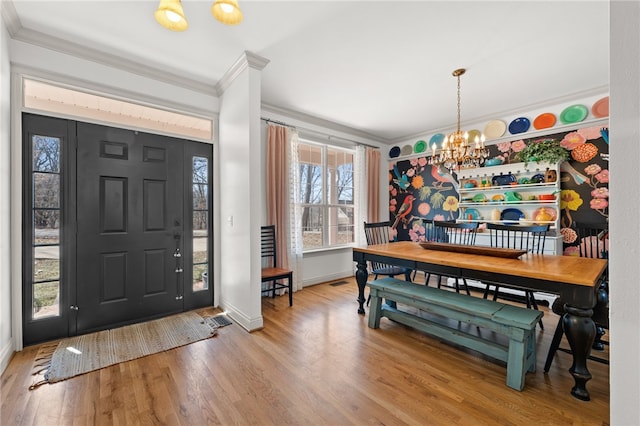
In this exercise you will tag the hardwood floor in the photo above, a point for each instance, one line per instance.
(314, 363)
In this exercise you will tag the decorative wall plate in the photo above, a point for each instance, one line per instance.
(471, 214)
(473, 134)
(495, 129)
(573, 114)
(519, 125)
(601, 108)
(394, 152)
(511, 215)
(502, 180)
(419, 146)
(544, 214)
(544, 121)
(437, 139)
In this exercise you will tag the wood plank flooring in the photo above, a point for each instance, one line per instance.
(314, 363)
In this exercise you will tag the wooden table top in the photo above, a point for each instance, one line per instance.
(564, 269)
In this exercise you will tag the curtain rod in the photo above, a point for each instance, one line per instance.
(281, 123)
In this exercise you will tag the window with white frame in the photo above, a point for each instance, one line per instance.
(326, 196)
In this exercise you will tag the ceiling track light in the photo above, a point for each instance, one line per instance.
(171, 16)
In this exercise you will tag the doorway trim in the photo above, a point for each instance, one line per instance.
(18, 74)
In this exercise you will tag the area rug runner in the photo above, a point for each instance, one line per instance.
(81, 354)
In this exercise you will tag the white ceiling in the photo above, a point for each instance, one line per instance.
(380, 67)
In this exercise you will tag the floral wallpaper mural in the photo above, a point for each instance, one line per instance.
(419, 191)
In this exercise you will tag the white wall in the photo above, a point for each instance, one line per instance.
(6, 342)
(240, 171)
(624, 267)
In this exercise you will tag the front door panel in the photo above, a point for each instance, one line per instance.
(129, 226)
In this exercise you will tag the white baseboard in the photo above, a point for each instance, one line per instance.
(5, 354)
(328, 277)
(249, 324)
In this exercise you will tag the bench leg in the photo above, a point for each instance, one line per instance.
(515, 365)
(375, 310)
(531, 351)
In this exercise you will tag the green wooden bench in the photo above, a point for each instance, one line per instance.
(517, 323)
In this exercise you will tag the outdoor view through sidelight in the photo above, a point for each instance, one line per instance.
(46, 217)
(200, 185)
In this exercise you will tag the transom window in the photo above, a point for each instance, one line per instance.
(326, 195)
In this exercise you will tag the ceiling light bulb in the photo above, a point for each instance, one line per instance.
(227, 11)
(171, 16)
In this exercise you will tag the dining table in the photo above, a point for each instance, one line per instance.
(574, 279)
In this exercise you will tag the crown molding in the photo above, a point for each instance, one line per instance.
(246, 60)
(570, 98)
(87, 53)
(10, 17)
(325, 124)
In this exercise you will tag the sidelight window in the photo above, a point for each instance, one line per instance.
(46, 219)
(200, 222)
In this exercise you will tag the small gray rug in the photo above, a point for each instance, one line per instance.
(82, 354)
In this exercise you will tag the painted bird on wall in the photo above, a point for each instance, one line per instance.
(401, 180)
(441, 177)
(405, 209)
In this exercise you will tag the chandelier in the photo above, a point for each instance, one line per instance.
(457, 152)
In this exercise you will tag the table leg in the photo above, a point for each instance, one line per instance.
(580, 331)
(361, 278)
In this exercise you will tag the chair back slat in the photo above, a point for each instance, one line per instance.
(268, 246)
(378, 233)
(522, 237)
(593, 239)
(463, 233)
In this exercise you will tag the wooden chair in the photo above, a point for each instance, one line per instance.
(271, 273)
(463, 233)
(378, 233)
(592, 238)
(522, 237)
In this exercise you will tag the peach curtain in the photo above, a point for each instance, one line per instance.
(282, 186)
(278, 189)
(373, 185)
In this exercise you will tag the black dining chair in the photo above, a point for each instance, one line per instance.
(462, 233)
(427, 224)
(379, 233)
(592, 241)
(522, 237)
(271, 272)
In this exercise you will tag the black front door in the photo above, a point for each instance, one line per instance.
(130, 226)
(117, 227)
